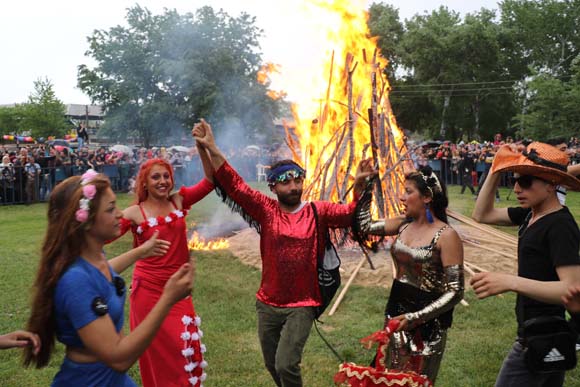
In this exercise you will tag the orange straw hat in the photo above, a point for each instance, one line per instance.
(538, 159)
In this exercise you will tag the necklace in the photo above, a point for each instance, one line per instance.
(539, 215)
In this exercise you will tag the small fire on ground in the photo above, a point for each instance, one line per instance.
(197, 242)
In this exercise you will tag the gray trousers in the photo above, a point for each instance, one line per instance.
(283, 333)
(514, 373)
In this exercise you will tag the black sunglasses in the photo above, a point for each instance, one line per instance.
(119, 284)
(524, 181)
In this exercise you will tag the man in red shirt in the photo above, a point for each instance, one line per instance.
(290, 238)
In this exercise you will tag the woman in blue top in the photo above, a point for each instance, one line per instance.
(79, 296)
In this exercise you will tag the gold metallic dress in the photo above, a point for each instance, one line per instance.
(425, 292)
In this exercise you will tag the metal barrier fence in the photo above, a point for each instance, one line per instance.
(448, 172)
(19, 187)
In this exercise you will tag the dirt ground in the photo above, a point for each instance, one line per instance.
(481, 250)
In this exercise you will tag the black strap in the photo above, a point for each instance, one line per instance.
(535, 158)
(320, 255)
(327, 343)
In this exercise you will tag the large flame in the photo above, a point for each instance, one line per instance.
(197, 242)
(330, 140)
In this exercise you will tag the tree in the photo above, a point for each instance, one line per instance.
(552, 106)
(11, 119)
(546, 31)
(162, 73)
(384, 23)
(43, 114)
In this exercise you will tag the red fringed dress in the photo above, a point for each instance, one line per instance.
(175, 357)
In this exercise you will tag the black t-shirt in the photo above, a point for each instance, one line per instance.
(552, 241)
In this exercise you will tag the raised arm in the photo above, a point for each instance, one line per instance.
(484, 210)
(203, 155)
(204, 137)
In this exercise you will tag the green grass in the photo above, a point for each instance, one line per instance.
(224, 296)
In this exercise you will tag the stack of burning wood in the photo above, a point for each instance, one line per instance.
(368, 129)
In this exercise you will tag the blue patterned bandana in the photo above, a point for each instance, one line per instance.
(284, 173)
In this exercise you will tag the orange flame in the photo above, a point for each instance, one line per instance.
(332, 138)
(197, 242)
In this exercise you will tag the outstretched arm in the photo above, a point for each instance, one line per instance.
(18, 339)
(121, 352)
(551, 292)
(153, 247)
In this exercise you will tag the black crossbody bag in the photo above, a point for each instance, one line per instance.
(328, 264)
(550, 344)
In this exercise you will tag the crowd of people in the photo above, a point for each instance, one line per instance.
(79, 295)
(28, 173)
(467, 163)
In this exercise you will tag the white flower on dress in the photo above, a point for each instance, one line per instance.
(189, 367)
(203, 377)
(186, 320)
(200, 332)
(178, 213)
(194, 336)
(139, 230)
(193, 380)
(203, 364)
(197, 321)
(168, 219)
(152, 222)
(187, 352)
(202, 348)
(185, 336)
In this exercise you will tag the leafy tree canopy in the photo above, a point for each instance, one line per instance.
(161, 73)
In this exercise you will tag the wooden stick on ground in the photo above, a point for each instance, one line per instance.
(482, 227)
(345, 288)
(489, 249)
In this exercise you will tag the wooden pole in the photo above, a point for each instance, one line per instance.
(345, 288)
(481, 227)
(490, 249)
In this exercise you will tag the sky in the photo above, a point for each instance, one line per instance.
(48, 39)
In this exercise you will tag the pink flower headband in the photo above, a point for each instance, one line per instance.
(89, 192)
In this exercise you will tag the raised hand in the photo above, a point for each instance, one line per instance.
(365, 170)
(155, 247)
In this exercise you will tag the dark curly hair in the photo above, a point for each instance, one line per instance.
(432, 187)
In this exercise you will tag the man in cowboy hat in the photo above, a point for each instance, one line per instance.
(549, 239)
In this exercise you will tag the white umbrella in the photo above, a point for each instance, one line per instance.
(121, 148)
(179, 148)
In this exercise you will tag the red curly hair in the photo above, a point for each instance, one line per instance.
(140, 190)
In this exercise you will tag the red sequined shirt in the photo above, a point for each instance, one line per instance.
(288, 243)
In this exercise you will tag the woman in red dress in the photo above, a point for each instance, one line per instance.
(175, 357)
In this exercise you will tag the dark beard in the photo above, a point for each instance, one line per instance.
(292, 199)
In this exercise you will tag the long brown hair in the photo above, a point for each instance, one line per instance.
(140, 190)
(63, 242)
